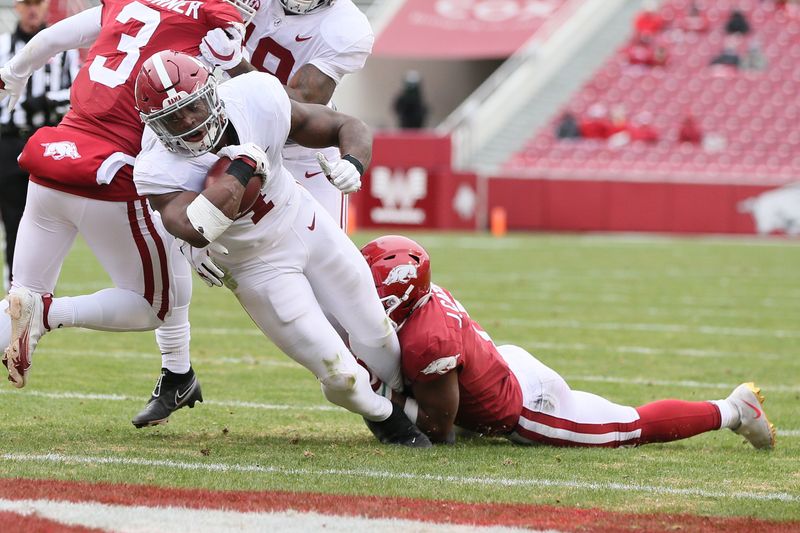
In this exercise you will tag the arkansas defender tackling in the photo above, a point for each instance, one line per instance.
(82, 182)
(286, 260)
(460, 378)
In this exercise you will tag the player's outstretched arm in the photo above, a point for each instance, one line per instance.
(317, 126)
(438, 404)
(77, 31)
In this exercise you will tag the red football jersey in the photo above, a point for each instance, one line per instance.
(440, 337)
(102, 97)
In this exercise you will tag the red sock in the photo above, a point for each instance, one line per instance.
(667, 420)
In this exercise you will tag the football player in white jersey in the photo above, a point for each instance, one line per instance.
(309, 45)
(285, 259)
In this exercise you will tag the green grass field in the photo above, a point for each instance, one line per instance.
(632, 318)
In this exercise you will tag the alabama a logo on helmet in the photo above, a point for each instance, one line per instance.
(401, 274)
(60, 150)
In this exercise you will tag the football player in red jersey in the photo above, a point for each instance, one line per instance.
(82, 182)
(459, 378)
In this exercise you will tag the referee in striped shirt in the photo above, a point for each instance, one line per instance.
(43, 103)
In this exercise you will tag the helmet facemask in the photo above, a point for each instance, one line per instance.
(170, 124)
(303, 7)
(402, 274)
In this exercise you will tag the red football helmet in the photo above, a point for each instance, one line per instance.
(401, 270)
(176, 96)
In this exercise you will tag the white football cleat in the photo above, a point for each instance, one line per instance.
(753, 424)
(26, 310)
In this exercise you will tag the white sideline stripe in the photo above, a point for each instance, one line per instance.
(139, 518)
(682, 383)
(219, 403)
(382, 474)
(668, 328)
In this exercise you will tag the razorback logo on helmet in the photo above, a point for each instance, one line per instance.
(443, 365)
(60, 150)
(401, 274)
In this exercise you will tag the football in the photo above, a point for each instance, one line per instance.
(251, 192)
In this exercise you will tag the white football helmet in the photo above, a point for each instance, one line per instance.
(176, 96)
(301, 7)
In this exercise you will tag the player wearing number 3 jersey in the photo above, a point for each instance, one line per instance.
(82, 182)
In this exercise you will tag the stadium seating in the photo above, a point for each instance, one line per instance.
(753, 114)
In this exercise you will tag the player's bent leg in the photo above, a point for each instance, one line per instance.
(177, 385)
(554, 414)
(344, 287)
(348, 386)
(285, 309)
(45, 236)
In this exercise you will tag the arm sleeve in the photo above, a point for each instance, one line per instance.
(76, 31)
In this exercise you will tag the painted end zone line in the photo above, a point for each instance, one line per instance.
(379, 474)
(134, 508)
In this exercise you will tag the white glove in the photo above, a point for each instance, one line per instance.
(343, 174)
(223, 47)
(250, 151)
(12, 86)
(201, 262)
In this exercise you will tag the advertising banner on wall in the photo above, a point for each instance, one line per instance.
(461, 29)
(410, 185)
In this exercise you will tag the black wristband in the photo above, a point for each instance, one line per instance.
(241, 170)
(356, 163)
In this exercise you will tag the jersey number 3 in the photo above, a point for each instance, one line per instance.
(130, 45)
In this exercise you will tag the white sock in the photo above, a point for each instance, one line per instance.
(729, 414)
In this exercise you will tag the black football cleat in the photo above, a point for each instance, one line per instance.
(172, 391)
(398, 429)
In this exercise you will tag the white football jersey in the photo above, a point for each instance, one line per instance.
(260, 112)
(337, 40)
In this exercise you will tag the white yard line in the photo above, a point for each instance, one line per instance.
(218, 403)
(690, 384)
(527, 343)
(409, 476)
(207, 359)
(663, 328)
(321, 408)
(643, 350)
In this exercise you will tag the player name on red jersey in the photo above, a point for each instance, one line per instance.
(182, 7)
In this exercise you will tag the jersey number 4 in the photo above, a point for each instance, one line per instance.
(130, 45)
